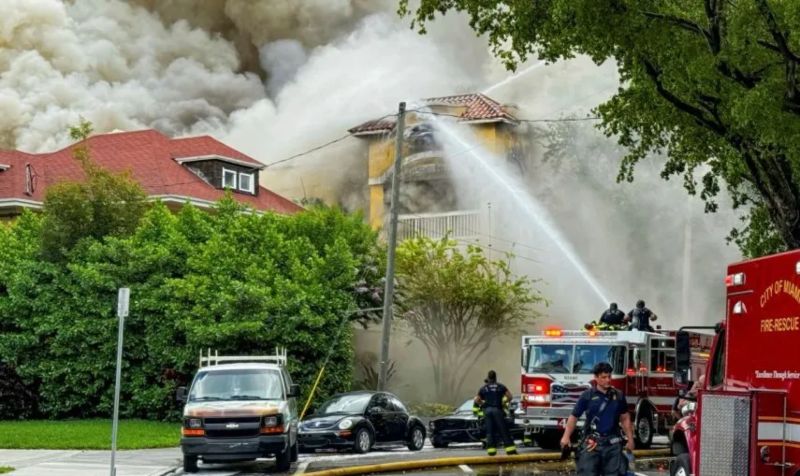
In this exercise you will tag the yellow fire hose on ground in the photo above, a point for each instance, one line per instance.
(550, 458)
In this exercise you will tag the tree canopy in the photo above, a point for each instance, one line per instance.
(103, 204)
(457, 302)
(713, 84)
(236, 282)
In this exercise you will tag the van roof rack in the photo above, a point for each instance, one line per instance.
(208, 360)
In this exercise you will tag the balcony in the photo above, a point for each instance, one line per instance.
(460, 224)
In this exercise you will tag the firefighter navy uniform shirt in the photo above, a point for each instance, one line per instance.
(492, 394)
(590, 402)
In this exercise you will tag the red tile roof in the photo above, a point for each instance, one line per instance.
(478, 107)
(152, 159)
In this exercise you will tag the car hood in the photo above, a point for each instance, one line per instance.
(233, 408)
(322, 422)
(458, 416)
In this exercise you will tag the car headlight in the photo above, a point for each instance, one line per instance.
(346, 424)
(270, 421)
(194, 423)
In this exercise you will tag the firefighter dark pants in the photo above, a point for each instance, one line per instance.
(496, 429)
(605, 460)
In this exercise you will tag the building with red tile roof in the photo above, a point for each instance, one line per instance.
(473, 108)
(194, 170)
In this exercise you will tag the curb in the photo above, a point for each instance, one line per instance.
(468, 460)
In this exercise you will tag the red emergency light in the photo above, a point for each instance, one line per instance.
(553, 332)
(734, 279)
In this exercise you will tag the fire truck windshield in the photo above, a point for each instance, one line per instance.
(574, 359)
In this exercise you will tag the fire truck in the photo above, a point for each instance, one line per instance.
(746, 418)
(557, 368)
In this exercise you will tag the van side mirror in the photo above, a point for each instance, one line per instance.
(180, 394)
(294, 390)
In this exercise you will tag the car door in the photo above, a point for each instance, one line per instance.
(378, 415)
(399, 422)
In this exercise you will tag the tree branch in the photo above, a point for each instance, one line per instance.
(779, 36)
(680, 22)
(696, 113)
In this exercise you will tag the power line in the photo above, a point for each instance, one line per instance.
(327, 144)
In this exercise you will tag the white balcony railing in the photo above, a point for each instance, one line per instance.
(460, 224)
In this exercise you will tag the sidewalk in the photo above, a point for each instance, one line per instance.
(154, 462)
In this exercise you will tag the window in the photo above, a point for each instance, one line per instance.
(228, 179)
(237, 385)
(662, 355)
(587, 356)
(398, 405)
(246, 182)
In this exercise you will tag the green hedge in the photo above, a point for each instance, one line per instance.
(235, 282)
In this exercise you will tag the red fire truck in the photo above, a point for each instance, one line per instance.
(557, 368)
(746, 420)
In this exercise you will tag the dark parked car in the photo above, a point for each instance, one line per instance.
(462, 426)
(359, 420)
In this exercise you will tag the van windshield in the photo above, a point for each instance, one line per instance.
(574, 359)
(237, 384)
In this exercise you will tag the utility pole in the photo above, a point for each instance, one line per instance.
(388, 295)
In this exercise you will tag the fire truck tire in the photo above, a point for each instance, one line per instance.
(643, 429)
(681, 466)
(548, 439)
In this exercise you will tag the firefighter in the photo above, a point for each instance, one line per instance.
(612, 316)
(640, 317)
(492, 398)
(600, 449)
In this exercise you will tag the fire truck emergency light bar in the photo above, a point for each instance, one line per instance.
(279, 358)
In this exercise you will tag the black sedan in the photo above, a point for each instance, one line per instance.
(462, 426)
(359, 420)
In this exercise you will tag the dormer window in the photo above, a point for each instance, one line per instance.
(246, 182)
(229, 178)
(224, 172)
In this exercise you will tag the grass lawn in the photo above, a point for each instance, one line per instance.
(5, 469)
(87, 435)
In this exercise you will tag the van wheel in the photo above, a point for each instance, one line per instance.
(643, 430)
(282, 462)
(189, 463)
(681, 466)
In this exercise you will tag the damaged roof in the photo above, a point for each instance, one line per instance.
(477, 107)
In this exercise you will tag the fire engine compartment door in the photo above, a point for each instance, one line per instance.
(724, 434)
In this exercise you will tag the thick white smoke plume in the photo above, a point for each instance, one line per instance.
(275, 78)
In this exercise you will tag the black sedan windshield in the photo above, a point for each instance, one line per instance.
(348, 404)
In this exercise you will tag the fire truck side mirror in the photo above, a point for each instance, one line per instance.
(681, 380)
(524, 358)
(683, 351)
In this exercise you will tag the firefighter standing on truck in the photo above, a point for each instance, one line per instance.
(600, 450)
(492, 398)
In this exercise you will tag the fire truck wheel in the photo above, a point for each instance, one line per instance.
(643, 430)
(548, 439)
(681, 466)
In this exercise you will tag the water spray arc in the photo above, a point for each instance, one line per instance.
(526, 203)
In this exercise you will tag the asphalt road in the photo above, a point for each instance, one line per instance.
(163, 462)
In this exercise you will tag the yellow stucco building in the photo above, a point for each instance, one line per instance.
(428, 202)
